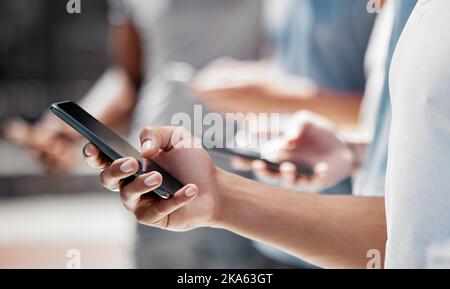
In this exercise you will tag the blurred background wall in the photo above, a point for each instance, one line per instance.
(47, 54)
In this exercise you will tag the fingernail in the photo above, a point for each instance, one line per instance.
(127, 167)
(321, 168)
(287, 167)
(190, 191)
(147, 144)
(88, 150)
(152, 180)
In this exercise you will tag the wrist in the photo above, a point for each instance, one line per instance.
(220, 200)
(228, 199)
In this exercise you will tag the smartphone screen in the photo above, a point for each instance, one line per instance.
(111, 144)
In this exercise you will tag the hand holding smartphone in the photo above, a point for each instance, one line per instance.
(110, 144)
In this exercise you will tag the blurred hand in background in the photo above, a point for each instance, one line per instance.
(309, 139)
(50, 140)
(229, 85)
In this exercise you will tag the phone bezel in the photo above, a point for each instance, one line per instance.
(106, 149)
(79, 127)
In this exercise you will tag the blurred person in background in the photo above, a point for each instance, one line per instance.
(316, 140)
(317, 53)
(317, 64)
(155, 43)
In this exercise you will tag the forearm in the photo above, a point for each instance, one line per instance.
(341, 107)
(330, 231)
(112, 99)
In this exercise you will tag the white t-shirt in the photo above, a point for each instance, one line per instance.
(418, 177)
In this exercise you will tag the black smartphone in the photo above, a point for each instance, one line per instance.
(302, 169)
(112, 145)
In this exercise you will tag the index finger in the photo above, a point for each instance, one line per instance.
(164, 138)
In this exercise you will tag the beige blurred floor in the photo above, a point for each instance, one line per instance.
(43, 217)
(37, 232)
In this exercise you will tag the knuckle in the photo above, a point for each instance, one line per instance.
(158, 133)
(103, 178)
(308, 124)
(146, 131)
(303, 117)
(302, 114)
